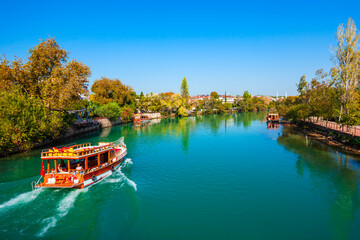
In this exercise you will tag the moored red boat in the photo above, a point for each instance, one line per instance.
(273, 117)
(81, 165)
(139, 118)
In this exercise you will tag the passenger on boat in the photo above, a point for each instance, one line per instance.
(62, 167)
(78, 167)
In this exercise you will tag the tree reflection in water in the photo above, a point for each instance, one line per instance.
(183, 127)
(327, 167)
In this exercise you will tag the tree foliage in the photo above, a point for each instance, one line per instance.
(184, 89)
(35, 94)
(214, 95)
(110, 110)
(301, 87)
(47, 75)
(347, 64)
(108, 90)
(25, 120)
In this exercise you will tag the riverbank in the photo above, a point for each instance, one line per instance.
(75, 132)
(336, 138)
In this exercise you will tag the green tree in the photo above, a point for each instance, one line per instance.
(26, 120)
(184, 89)
(246, 95)
(110, 110)
(301, 87)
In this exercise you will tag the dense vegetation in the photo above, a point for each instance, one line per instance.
(334, 95)
(36, 93)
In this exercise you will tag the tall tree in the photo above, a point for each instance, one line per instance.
(347, 65)
(246, 95)
(301, 87)
(184, 89)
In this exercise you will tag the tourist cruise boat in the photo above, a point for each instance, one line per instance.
(80, 166)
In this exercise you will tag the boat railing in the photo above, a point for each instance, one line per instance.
(60, 178)
(76, 151)
(119, 141)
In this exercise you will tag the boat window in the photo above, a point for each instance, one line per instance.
(112, 153)
(92, 161)
(75, 162)
(52, 165)
(104, 157)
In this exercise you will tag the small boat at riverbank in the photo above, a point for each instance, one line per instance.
(273, 117)
(81, 165)
(140, 118)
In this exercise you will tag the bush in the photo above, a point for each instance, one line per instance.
(111, 110)
(126, 113)
(182, 112)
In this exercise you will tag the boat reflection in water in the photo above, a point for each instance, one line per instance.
(273, 125)
(138, 125)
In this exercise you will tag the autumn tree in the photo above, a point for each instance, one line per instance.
(35, 94)
(347, 65)
(108, 90)
(214, 95)
(47, 75)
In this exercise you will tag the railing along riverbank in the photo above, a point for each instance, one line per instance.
(346, 129)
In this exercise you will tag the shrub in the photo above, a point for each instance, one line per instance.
(111, 110)
(126, 113)
(182, 112)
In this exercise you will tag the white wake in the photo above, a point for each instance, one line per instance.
(128, 181)
(20, 199)
(63, 209)
(120, 176)
(127, 163)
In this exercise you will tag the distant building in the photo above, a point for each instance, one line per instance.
(229, 98)
(200, 97)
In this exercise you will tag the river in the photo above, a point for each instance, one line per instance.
(205, 177)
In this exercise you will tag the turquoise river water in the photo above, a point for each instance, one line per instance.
(205, 177)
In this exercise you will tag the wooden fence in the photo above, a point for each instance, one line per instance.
(351, 130)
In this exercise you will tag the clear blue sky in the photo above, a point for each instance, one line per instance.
(260, 46)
